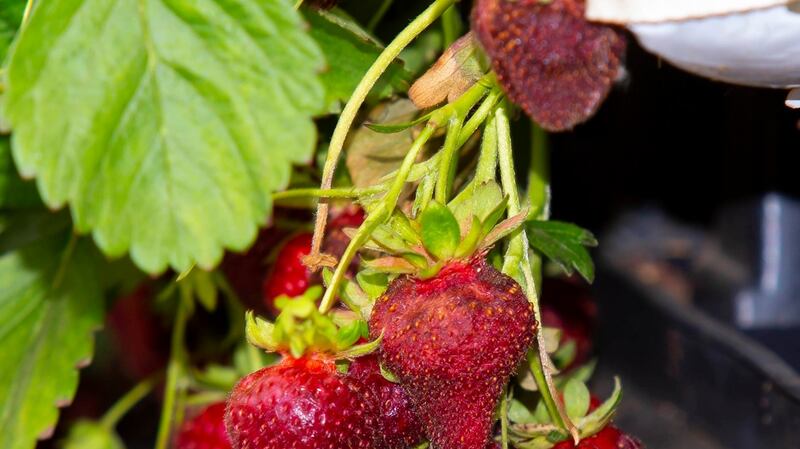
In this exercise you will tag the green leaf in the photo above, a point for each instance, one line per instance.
(519, 413)
(440, 231)
(14, 192)
(50, 304)
(576, 399)
(564, 244)
(92, 435)
(373, 284)
(165, 124)
(601, 416)
(10, 18)
(350, 52)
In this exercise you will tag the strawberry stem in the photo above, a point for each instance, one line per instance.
(175, 370)
(376, 217)
(444, 185)
(518, 254)
(539, 174)
(129, 400)
(348, 115)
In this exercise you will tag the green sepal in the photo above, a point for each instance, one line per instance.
(565, 354)
(351, 333)
(391, 265)
(361, 350)
(351, 294)
(404, 227)
(476, 200)
(373, 284)
(418, 260)
(431, 271)
(391, 241)
(576, 399)
(441, 233)
(601, 416)
(388, 375)
(505, 228)
(260, 333)
(520, 414)
(493, 217)
(552, 338)
(471, 240)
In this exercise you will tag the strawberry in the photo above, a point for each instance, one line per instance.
(289, 276)
(548, 58)
(567, 305)
(205, 431)
(397, 425)
(608, 438)
(136, 332)
(301, 403)
(454, 340)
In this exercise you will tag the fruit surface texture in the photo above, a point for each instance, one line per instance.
(454, 340)
(205, 431)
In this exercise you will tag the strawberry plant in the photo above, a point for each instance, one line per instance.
(143, 142)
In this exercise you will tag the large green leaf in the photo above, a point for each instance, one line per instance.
(50, 303)
(350, 51)
(565, 244)
(10, 17)
(165, 124)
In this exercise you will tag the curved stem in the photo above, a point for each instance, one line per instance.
(350, 110)
(444, 184)
(330, 193)
(539, 174)
(129, 400)
(174, 372)
(376, 217)
(378, 16)
(518, 247)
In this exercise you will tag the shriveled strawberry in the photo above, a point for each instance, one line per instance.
(289, 276)
(549, 59)
(300, 404)
(397, 425)
(205, 431)
(454, 340)
(608, 438)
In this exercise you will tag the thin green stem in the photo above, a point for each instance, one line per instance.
(379, 14)
(175, 370)
(205, 398)
(451, 25)
(539, 174)
(348, 115)
(487, 161)
(376, 217)
(329, 193)
(479, 116)
(447, 162)
(26, 14)
(518, 249)
(129, 400)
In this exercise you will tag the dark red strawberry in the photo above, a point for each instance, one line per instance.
(288, 276)
(608, 438)
(569, 306)
(299, 404)
(137, 333)
(397, 425)
(245, 272)
(549, 59)
(454, 340)
(205, 431)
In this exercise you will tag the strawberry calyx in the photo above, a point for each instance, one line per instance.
(535, 429)
(442, 234)
(300, 329)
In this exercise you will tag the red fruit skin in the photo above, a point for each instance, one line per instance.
(549, 59)
(397, 425)
(608, 438)
(299, 404)
(288, 276)
(454, 341)
(246, 272)
(205, 431)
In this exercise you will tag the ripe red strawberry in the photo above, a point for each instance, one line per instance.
(299, 404)
(608, 438)
(548, 58)
(288, 276)
(205, 431)
(397, 425)
(454, 340)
